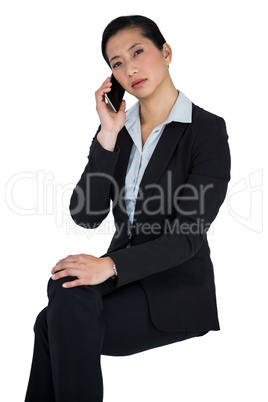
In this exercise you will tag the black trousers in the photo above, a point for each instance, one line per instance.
(78, 326)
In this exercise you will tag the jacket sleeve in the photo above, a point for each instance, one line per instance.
(198, 203)
(90, 200)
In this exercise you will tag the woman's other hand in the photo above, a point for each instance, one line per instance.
(88, 269)
(111, 122)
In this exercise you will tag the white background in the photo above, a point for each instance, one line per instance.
(51, 65)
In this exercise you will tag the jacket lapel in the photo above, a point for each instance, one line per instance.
(124, 142)
(156, 165)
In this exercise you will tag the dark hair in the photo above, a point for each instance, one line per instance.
(148, 28)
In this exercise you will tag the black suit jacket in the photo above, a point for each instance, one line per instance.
(181, 191)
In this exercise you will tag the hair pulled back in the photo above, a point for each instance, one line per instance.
(148, 29)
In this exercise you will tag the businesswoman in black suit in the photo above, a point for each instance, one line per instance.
(155, 284)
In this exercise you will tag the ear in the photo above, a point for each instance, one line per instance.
(167, 52)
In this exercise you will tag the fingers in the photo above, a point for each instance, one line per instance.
(105, 88)
(65, 272)
(63, 265)
(69, 272)
(73, 265)
(72, 284)
(84, 267)
(69, 259)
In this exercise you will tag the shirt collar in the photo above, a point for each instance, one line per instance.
(181, 112)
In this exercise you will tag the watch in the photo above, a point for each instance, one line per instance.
(115, 272)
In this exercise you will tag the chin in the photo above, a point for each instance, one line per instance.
(145, 94)
(142, 93)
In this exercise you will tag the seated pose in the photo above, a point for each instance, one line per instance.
(165, 164)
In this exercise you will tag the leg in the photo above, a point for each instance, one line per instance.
(68, 339)
(78, 326)
(40, 386)
(75, 333)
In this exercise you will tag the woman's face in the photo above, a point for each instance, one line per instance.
(137, 64)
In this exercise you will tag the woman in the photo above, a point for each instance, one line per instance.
(165, 163)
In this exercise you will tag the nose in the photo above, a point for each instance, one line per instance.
(131, 69)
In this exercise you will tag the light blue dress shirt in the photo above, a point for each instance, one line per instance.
(140, 156)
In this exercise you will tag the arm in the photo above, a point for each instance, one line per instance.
(184, 237)
(90, 200)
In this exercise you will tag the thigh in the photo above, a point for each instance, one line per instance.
(128, 326)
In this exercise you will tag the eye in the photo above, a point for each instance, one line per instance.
(138, 52)
(116, 64)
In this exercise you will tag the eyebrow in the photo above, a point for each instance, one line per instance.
(131, 47)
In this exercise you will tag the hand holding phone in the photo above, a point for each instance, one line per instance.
(111, 121)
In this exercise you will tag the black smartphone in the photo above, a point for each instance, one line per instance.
(115, 96)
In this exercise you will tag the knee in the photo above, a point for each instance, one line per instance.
(56, 285)
(61, 297)
(41, 321)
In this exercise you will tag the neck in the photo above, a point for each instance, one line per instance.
(155, 109)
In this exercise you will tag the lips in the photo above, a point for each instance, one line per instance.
(138, 83)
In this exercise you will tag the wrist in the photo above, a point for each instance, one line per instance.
(111, 267)
(107, 139)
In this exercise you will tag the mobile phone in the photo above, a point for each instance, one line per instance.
(115, 96)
